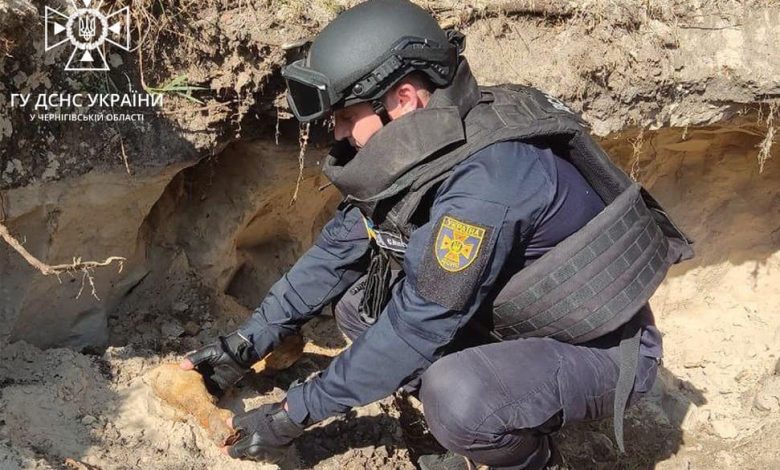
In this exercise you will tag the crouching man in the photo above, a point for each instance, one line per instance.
(487, 255)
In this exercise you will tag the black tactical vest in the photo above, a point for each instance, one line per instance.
(590, 284)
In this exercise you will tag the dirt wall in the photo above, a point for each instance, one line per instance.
(672, 64)
(720, 313)
(716, 403)
(684, 95)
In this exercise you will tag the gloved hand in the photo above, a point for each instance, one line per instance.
(265, 434)
(223, 362)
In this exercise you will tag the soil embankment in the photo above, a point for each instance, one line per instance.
(683, 94)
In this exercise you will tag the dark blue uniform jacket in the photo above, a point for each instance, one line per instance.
(525, 197)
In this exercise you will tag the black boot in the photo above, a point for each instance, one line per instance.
(453, 461)
(556, 461)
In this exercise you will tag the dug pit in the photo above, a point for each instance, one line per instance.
(718, 315)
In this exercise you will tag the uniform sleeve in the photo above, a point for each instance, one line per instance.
(451, 265)
(336, 260)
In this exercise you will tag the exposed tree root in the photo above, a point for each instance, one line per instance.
(765, 147)
(124, 154)
(85, 267)
(5, 47)
(303, 140)
(451, 17)
(78, 465)
(636, 144)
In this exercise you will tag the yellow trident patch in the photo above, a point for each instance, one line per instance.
(457, 244)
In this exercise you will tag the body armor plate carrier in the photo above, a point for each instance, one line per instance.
(590, 284)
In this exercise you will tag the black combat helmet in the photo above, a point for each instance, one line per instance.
(365, 51)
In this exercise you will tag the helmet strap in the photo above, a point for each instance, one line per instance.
(381, 111)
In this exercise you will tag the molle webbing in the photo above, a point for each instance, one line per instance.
(592, 282)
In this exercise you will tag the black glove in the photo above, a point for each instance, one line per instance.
(266, 434)
(223, 362)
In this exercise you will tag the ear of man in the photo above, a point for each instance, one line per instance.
(410, 93)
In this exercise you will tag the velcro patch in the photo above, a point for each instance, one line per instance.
(457, 244)
(453, 262)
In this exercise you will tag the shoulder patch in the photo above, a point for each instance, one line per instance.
(453, 261)
(457, 244)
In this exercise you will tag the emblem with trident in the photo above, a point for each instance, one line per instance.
(87, 27)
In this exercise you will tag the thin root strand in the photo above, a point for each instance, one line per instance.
(85, 267)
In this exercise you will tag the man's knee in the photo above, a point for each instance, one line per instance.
(460, 400)
(470, 413)
(347, 312)
(346, 309)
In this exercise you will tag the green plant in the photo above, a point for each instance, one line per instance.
(178, 86)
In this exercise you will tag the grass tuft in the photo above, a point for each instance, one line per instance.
(178, 86)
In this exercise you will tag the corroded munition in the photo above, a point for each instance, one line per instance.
(186, 391)
(285, 355)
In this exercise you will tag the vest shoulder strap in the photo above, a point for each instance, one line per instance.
(505, 112)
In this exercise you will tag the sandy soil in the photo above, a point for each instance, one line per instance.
(716, 403)
(207, 228)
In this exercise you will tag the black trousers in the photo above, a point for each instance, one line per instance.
(498, 403)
